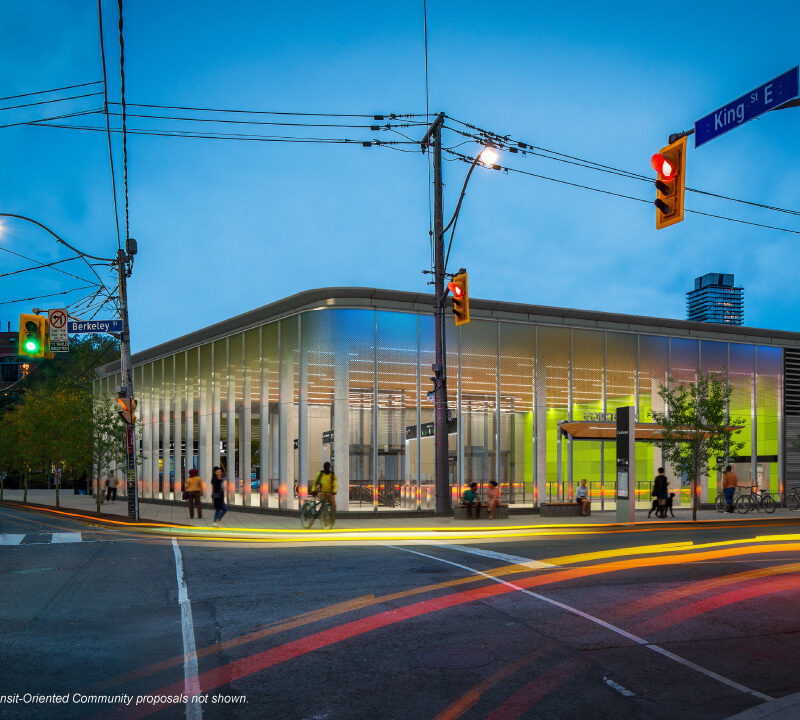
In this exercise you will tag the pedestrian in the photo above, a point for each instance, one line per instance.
(493, 495)
(194, 491)
(730, 482)
(661, 493)
(582, 497)
(471, 501)
(218, 495)
(111, 488)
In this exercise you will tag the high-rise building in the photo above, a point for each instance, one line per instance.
(715, 299)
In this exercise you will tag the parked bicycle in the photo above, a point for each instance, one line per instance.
(792, 498)
(721, 504)
(312, 508)
(756, 501)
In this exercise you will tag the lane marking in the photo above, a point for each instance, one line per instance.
(68, 537)
(191, 683)
(10, 539)
(510, 559)
(618, 630)
(619, 688)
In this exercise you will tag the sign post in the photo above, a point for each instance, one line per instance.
(766, 97)
(626, 464)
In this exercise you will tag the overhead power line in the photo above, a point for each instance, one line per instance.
(124, 136)
(54, 100)
(108, 122)
(53, 117)
(515, 146)
(42, 92)
(374, 116)
(40, 266)
(45, 265)
(37, 297)
(468, 159)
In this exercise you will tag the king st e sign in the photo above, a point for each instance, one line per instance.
(764, 98)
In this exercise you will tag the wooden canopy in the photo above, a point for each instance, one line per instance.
(590, 430)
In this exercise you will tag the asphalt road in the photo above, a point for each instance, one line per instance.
(636, 624)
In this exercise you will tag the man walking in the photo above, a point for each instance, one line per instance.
(111, 488)
(660, 492)
(194, 489)
(730, 482)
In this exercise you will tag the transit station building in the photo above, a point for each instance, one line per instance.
(344, 375)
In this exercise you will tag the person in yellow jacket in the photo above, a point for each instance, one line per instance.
(194, 489)
(325, 485)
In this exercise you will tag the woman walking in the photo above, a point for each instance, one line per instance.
(194, 489)
(218, 495)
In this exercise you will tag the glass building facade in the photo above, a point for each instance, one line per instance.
(343, 375)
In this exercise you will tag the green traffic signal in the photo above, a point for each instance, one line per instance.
(31, 341)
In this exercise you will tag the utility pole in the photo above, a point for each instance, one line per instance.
(126, 367)
(443, 505)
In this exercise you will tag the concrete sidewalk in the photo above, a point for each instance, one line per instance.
(177, 513)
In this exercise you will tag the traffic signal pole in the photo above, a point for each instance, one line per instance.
(126, 367)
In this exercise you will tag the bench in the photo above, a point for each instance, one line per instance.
(461, 512)
(563, 509)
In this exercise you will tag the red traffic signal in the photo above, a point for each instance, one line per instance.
(456, 289)
(458, 286)
(663, 167)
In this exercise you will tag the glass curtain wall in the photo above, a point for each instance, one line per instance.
(769, 371)
(713, 361)
(553, 393)
(622, 362)
(250, 453)
(517, 374)
(588, 381)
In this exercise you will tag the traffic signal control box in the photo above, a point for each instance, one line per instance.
(458, 286)
(34, 336)
(670, 187)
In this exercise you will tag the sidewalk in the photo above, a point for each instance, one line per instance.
(177, 514)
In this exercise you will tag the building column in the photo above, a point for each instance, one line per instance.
(302, 436)
(245, 429)
(167, 396)
(265, 449)
(230, 413)
(155, 434)
(341, 418)
(540, 425)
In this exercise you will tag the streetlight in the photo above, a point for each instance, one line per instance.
(487, 157)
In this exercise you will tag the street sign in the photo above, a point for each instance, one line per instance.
(766, 97)
(94, 326)
(59, 338)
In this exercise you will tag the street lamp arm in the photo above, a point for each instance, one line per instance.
(59, 239)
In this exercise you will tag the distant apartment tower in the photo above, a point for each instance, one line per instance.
(715, 299)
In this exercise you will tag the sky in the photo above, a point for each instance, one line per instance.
(226, 226)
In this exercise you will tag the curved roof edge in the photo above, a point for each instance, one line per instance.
(400, 300)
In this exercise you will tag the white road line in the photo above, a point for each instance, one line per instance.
(619, 688)
(11, 539)
(66, 537)
(191, 685)
(634, 638)
(512, 559)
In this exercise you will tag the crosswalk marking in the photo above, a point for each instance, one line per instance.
(41, 538)
(66, 537)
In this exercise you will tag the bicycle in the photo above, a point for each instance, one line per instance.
(721, 504)
(792, 499)
(757, 501)
(312, 508)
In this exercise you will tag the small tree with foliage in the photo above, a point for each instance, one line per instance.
(697, 435)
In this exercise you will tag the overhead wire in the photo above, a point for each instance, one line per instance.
(54, 100)
(124, 134)
(25, 257)
(37, 297)
(54, 117)
(468, 159)
(428, 147)
(40, 266)
(525, 148)
(42, 92)
(108, 122)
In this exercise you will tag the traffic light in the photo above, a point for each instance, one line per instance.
(458, 286)
(670, 164)
(127, 409)
(33, 336)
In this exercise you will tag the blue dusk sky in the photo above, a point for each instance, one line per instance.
(225, 226)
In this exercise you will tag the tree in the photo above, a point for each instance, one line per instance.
(697, 433)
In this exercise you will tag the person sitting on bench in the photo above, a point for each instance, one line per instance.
(471, 502)
(493, 493)
(582, 497)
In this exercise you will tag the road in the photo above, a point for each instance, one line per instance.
(653, 623)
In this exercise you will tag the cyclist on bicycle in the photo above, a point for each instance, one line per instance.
(325, 485)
